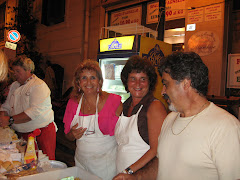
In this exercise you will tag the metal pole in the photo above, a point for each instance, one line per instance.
(162, 20)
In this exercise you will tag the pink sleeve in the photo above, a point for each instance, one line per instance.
(107, 117)
(69, 114)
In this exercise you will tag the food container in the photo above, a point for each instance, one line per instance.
(50, 165)
(62, 173)
(57, 164)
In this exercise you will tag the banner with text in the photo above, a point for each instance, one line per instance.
(126, 16)
(174, 9)
(233, 79)
(209, 13)
(152, 12)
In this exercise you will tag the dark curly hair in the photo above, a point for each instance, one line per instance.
(186, 65)
(138, 64)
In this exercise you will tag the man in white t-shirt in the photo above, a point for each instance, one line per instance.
(198, 140)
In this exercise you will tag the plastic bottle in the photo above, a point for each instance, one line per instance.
(30, 154)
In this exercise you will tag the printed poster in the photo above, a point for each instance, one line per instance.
(213, 12)
(174, 9)
(203, 43)
(155, 50)
(195, 16)
(152, 12)
(109, 71)
(233, 79)
(126, 16)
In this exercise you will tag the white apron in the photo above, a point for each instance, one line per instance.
(95, 153)
(131, 146)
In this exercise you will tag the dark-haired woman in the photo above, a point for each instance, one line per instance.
(139, 126)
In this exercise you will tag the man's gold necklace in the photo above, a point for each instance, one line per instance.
(189, 121)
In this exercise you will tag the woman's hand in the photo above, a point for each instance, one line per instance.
(77, 132)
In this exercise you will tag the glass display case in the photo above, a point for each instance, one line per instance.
(111, 70)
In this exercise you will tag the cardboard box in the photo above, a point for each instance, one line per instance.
(63, 173)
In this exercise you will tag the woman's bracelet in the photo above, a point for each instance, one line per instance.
(127, 171)
(124, 171)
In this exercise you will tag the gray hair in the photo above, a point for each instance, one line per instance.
(25, 62)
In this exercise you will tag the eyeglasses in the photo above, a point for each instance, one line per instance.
(91, 127)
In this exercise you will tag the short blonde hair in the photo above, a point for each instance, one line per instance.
(88, 64)
(24, 62)
(3, 66)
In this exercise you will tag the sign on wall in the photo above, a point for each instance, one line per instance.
(195, 16)
(203, 42)
(13, 36)
(152, 12)
(10, 45)
(209, 13)
(126, 16)
(233, 75)
(213, 12)
(154, 50)
(175, 9)
(117, 43)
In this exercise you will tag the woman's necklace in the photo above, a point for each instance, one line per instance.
(189, 121)
(87, 104)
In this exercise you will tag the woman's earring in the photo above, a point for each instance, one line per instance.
(79, 89)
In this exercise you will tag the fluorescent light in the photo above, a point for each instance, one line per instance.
(178, 35)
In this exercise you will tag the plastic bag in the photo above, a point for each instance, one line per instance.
(5, 135)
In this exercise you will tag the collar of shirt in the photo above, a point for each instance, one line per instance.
(31, 77)
(143, 101)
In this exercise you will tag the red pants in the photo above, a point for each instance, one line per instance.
(46, 141)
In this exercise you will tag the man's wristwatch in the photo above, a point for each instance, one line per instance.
(11, 121)
(129, 170)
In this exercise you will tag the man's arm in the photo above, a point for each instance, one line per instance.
(18, 119)
(148, 172)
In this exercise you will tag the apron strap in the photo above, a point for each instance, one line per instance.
(139, 109)
(96, 114)
(97, 104)
(134, 114)
(80, 104)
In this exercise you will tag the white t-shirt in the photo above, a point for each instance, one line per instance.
(208, 149)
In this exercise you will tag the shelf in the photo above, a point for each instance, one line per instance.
(130, 29)
(112, 90)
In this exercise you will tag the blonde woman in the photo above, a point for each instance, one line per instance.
(3, 66)
(90, 119)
